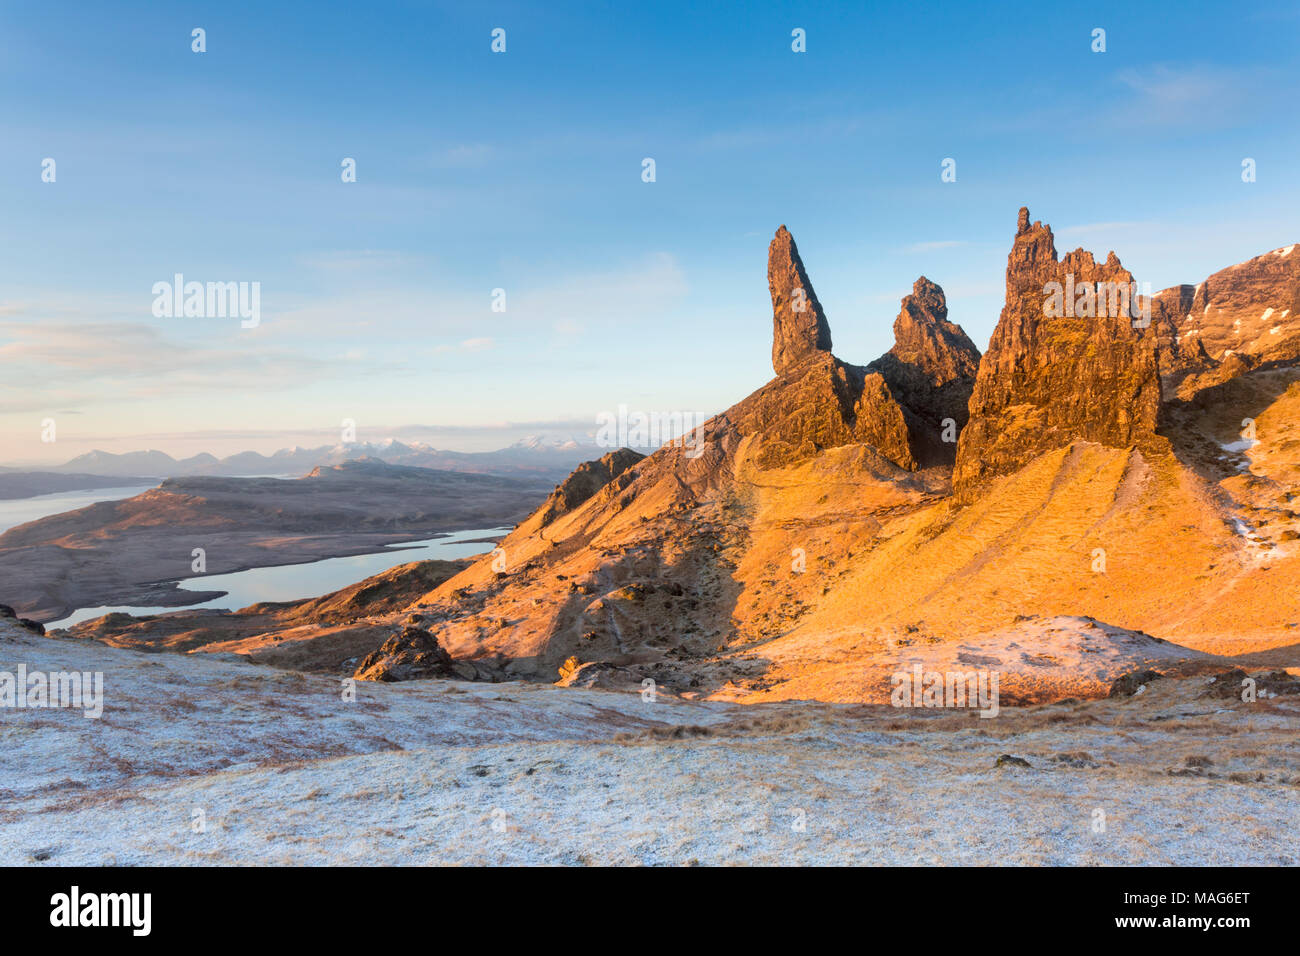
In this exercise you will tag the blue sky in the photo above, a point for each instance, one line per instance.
(522, 171)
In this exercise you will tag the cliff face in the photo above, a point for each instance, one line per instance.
(931, 371)
(1235, 320)
(1050, 378)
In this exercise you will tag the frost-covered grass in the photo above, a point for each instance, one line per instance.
(280, 770)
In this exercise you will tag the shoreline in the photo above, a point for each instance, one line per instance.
(159, 592)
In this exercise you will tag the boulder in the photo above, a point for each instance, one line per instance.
(1126, 685)
(412, 654)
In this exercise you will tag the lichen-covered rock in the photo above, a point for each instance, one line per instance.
(1049, 379)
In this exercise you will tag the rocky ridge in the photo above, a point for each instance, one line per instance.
(813, 541)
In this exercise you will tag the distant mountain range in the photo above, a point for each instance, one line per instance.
(537, 456)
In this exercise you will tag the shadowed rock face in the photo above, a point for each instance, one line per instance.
(799, 328)
(1047, 380)
(822, 404)
(931, 371)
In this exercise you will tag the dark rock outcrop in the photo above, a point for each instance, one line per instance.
(412, 654)
(931, 372)
(1126, 685)
(1233, 684)
(799, 327)
(587, 479)
(1050, 379)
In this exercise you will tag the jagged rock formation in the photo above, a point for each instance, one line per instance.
(1048, 379)
(931, 371)
(816, 401)
(587, 479)
(797, 554)
(799, 327)
(645, 565)
(824, 404)
(410, 655)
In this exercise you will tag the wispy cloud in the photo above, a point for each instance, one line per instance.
(357, 260)
(639, 292)
(70, 364)
(1164, 94)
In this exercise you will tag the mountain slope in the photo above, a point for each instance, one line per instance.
(812, 544)
(802, 537)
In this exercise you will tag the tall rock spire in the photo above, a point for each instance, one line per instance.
(1048, 378)
(799, 328)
